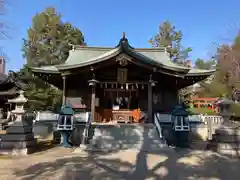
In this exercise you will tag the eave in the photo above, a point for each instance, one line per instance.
(9, 93)
(193, 78)
(46, 70)
(200, 72)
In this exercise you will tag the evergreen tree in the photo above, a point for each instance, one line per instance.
(48, 43)
(201, 64)
(49, 39)
(171, 39)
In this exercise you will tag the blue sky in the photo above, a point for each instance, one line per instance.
(103, 21)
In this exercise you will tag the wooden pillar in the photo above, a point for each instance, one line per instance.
(64, 90)
(150, 115)
(93, 84)
(93, 102)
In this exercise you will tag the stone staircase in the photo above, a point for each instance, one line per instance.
(108, 137)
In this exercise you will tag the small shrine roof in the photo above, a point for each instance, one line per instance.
(20, 99)
(12, 77)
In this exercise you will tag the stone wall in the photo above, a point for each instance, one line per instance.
(207, 132)
(109, 136)
(44, 129)
(200, 126)
(198, 131)
(198, 135)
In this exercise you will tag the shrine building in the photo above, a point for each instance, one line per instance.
(112, 82)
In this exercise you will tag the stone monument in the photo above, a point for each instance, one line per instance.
(19, 138)
(227, 138)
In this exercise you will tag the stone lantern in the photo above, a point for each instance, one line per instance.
(19, 110)
(225, 109)
(19, 138)
(65, 125)
(92, 83)
(181, 127)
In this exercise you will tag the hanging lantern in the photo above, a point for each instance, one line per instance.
(121, 86)
(137, 86)
(142, 86)
(127, 86)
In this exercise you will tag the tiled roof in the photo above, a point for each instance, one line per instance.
(83, 56)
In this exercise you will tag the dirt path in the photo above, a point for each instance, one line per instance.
(59, 163)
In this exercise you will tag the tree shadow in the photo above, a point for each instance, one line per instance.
(43, 146)
(166, 164)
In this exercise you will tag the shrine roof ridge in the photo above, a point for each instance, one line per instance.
(99, 48)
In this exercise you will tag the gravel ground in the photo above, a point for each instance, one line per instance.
(167, 164)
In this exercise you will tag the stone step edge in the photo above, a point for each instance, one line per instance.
(88, 148)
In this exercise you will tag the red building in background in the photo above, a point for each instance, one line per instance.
(204, 103)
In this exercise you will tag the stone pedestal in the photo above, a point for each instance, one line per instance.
(227, 140)
(19, 138)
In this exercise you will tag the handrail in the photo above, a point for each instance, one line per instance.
(86, 129)
(156, 122)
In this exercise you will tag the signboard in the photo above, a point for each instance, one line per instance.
(81, 116)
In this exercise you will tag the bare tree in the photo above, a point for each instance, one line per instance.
(226, 53)
(3, 26)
